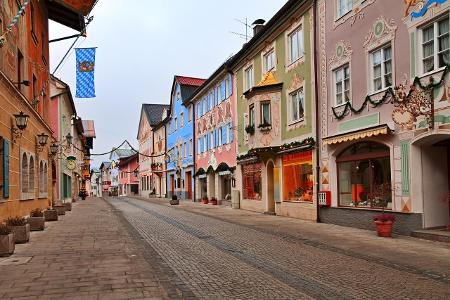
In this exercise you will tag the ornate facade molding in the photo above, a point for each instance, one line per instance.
(342, 54)
(356, 13)
(381, 32)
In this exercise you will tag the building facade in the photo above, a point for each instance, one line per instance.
(105, 177)
(26, 167)
(151, 116)
(214, 126)
(275, 98)
(129, 175)
(384, 128)
(159, 157)
(180, 138)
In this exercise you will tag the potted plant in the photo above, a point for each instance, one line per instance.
(7, 244)
(174, 200)
(36, 220)
(68, 206)
(50, 214)
(213, 201)
(264, 126)
(379, 198)
(82, 194)
(250, 129)
(20, 228)
(60, 209)
(205, 200)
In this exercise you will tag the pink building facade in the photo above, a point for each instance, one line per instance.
(128, 175)
(214, 127)
(384, 131)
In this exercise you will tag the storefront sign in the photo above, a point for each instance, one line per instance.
(202, 176)
(223, 173)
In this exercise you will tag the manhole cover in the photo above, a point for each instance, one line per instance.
(11, 261)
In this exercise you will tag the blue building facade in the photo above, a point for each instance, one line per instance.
(180, 138)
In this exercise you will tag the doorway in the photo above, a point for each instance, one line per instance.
(189, 185)
(172, 184)
(270, 188)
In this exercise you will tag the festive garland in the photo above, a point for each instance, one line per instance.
(390, 96)
(308, 143)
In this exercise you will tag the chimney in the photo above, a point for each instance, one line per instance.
(257, 26)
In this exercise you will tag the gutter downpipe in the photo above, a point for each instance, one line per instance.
(316, 88)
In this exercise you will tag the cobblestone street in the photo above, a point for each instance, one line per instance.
(131, 248)
(220, 253)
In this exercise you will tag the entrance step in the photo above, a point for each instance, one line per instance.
(271, 213)
(439, 235)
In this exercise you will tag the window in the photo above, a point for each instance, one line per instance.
(20, 69)
(251, 116)
(343, 7)
(31, 177)
(248, 78)
(295, 41)
(211, 100)
(33, 23)
(190, 113)
(170, 127)
(24, 173)
(204, 106)
(265, 114)
(364, 176)
(220, 136)
(175, 124)
(435, 45)
(381, 68)
(269, 61)
(298, 177)
(297, 105)
(211, 140)
(190, 147)
(251, 181)
(181, 119)
(342, 85)
(185, 149)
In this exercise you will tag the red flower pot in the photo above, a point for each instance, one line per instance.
(214, 202)
(384, 229)
(205, 201)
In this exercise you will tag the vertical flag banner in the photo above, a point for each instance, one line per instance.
(85, 72)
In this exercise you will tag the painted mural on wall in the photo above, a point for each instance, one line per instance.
(418, 8)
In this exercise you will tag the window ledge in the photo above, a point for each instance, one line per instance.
(383, 90)
(388, 210)
(431, 73)
(340, 105)
(296, 122)
(337, 19)
(298, 201)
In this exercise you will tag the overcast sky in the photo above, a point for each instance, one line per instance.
(142, 44)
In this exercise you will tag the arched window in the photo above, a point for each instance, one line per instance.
(41, 175)
(45, 178)
(31, 176)
(24, 173)
(364, 176)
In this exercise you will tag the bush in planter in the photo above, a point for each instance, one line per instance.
(213, 201)
(36, 220)
(7, 244)
(68, 206)
(20, 228)
(380, 198)
(205, 200)
(174, 200)
(51, 214)
(60, 209)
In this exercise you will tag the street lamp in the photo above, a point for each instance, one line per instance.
(54, 149)
(42, 139)
(136, 173)
(167, 158)
(21, 120)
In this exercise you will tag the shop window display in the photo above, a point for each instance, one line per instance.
(298, 177)
(251, 175)
(364, 176)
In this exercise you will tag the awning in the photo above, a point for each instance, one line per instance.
(357, 134)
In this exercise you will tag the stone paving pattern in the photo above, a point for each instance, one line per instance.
(226, 254)
(88, 254)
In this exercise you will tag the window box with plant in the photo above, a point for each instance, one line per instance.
(36, 220)
(60, 209)
(7, 244)
(50, 215)
(68, 206)
(265, 126)
(20, 228)
(250, 129)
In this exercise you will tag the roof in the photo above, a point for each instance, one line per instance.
(89, 128)
(283, 15)
(187, 91)
(122, 153)
(70, 13)
(105, 164)
(125, 160)
(59, 84)
(193, 81)
(154, 112)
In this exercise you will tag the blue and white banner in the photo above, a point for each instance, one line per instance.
(85, 72)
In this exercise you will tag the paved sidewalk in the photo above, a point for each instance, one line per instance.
(401, 252)
(88, 254)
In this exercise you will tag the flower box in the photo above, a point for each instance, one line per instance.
(68, 206)
(21, 233)
(60, 209)
(7, 244)
(51, 215)
(36, 223)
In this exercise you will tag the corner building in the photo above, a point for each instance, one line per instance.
(274, 77)
(384, 130)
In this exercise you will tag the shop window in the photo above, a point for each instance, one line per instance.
(251, 175)
(298, 177)
(364, 176)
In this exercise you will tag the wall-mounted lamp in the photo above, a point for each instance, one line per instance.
(41, 141)
(167, 158)
(24, 82)
(54, 149)
(18, 125)
(69, 138)
(136, 173)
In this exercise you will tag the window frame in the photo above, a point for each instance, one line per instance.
(181, 119)
(342, 68)
(300, 117)
(383, 67)
(261, 104)
(247, 85)
(301, 51)
(251, 115)
(270, 53)
(435, 24)
(338, 5)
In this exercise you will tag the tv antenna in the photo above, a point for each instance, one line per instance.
(245, 36)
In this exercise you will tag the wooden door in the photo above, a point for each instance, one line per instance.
(189, 185)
